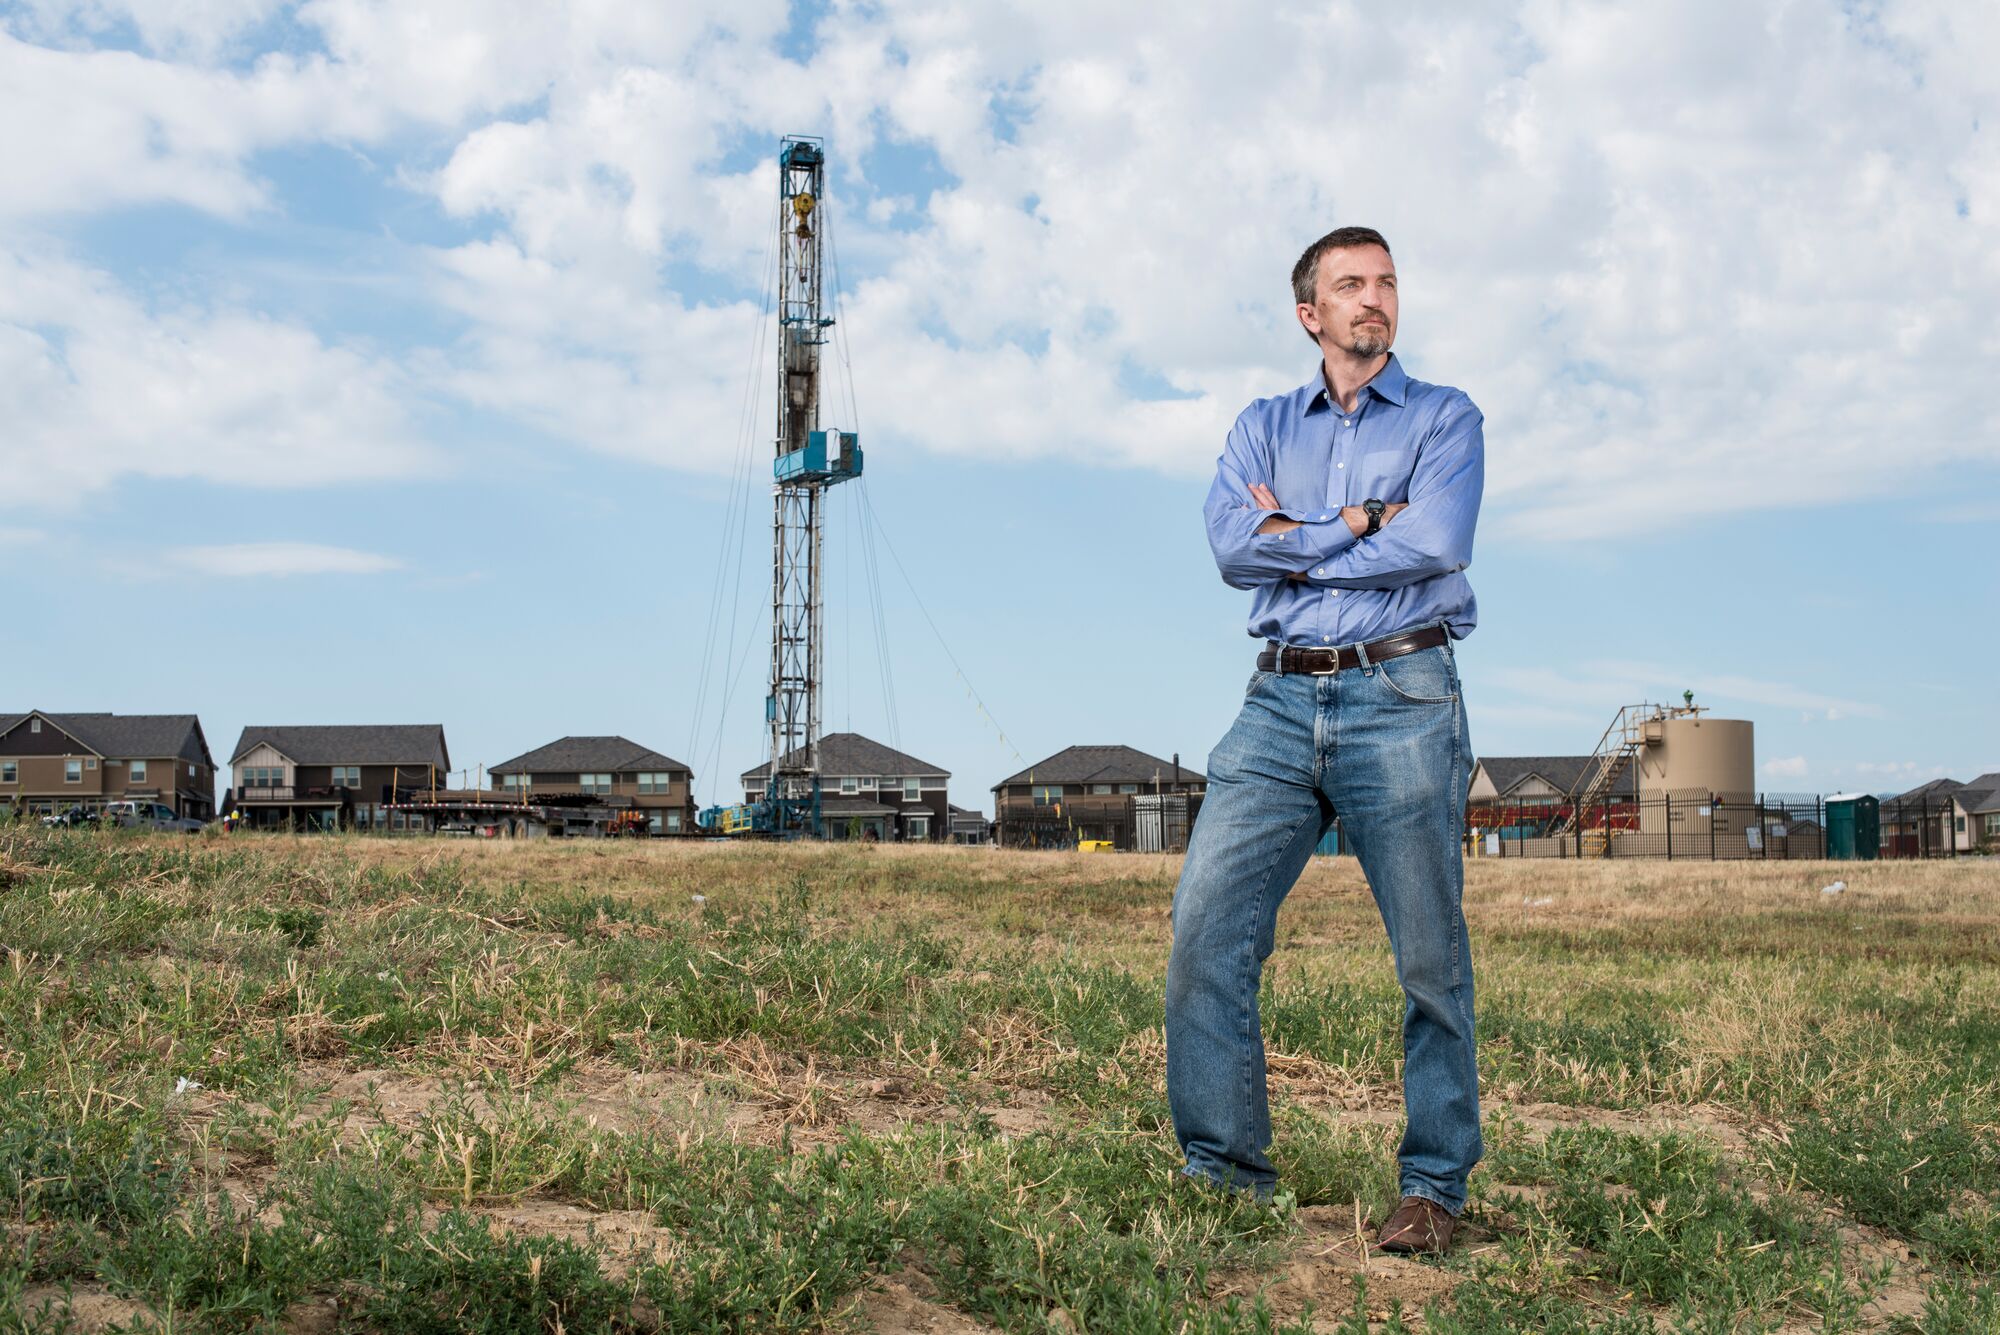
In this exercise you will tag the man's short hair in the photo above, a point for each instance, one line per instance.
(1305, 274)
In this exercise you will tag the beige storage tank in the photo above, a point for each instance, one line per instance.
(1690, 759)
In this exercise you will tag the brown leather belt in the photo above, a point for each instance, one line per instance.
(1282, 658)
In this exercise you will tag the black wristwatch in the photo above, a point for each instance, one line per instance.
(1374, 509)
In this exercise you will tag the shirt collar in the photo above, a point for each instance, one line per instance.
(1390, 383)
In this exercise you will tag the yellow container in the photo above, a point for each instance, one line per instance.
(1095, 846)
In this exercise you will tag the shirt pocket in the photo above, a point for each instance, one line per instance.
(1385, 474)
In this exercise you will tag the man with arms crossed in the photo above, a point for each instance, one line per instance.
(1347, 507)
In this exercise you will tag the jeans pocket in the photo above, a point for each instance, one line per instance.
(1422, 678)
(1256, 679)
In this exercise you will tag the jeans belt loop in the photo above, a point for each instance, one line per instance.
(1361, 652)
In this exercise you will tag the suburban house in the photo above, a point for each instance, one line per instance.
(871, 791)
(1539, 781)
(338, 776)
(969, 827)
(1085, 794)
(1943, 816)
(616, 770)
(52, 762)
(1927, 820)
(1976, 818)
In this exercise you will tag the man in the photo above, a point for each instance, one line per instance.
(1347, 507)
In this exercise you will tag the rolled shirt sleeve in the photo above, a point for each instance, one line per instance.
(1246, 557)
(1432, 536)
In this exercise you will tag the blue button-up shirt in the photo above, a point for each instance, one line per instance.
(1404, 441)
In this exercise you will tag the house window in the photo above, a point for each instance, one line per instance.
(72, 771)
(1958, 825)
(658, 783)
(920, 827)
(673, 821)
(1047, 794)
(849, 787)
(9, 772)
(1128, 787)
(90, 763)
(911, 791)
(35, 725)
(1100, 790)
(868, 783)
(513, 781)
(1993, 823)
(594, 783)
(138, 771)
(347, 776)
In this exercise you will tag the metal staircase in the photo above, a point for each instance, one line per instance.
(1634, 726)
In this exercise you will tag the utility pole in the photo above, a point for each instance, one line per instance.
(809, 460)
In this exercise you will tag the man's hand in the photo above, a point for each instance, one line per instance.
(1266, 500)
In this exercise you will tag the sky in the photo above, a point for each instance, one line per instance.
(399, 361)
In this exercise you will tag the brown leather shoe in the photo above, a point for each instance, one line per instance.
(1419, 1227)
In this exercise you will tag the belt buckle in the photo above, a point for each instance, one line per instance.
(1334, 670)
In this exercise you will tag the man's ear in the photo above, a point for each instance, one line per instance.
(1308, 319)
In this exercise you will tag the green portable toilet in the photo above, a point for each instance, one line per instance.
(1853, 827)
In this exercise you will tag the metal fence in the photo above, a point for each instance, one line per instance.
(1691, 824)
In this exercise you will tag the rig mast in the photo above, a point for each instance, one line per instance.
(809, 460)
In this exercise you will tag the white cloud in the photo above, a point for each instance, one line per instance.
(1787, 767)
(1678, 282)
(96, 387)
(1609, 684)
(197, 29)
(280, 559)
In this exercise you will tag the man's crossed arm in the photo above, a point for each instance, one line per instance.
(1355, 517)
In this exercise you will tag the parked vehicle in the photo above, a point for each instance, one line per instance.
(75, 818)
(150, 816)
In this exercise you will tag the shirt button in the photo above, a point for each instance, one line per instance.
(1326, 637)
(1336, 593)
(1341, 464)
(1348, 422)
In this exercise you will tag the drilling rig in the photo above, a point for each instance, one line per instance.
(810, 459)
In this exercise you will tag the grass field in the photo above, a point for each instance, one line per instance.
(342, 1084)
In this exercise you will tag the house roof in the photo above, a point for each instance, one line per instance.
(1932, 795)
(970, 813)
(842, 753)
(1565, 774)
(1101, 764)
(589, 755)
(129, 736)
(1980, 796)
(351, 744)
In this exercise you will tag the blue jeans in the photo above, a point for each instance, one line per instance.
(1385, 746)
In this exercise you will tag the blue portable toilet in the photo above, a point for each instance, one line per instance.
(1329, 843)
